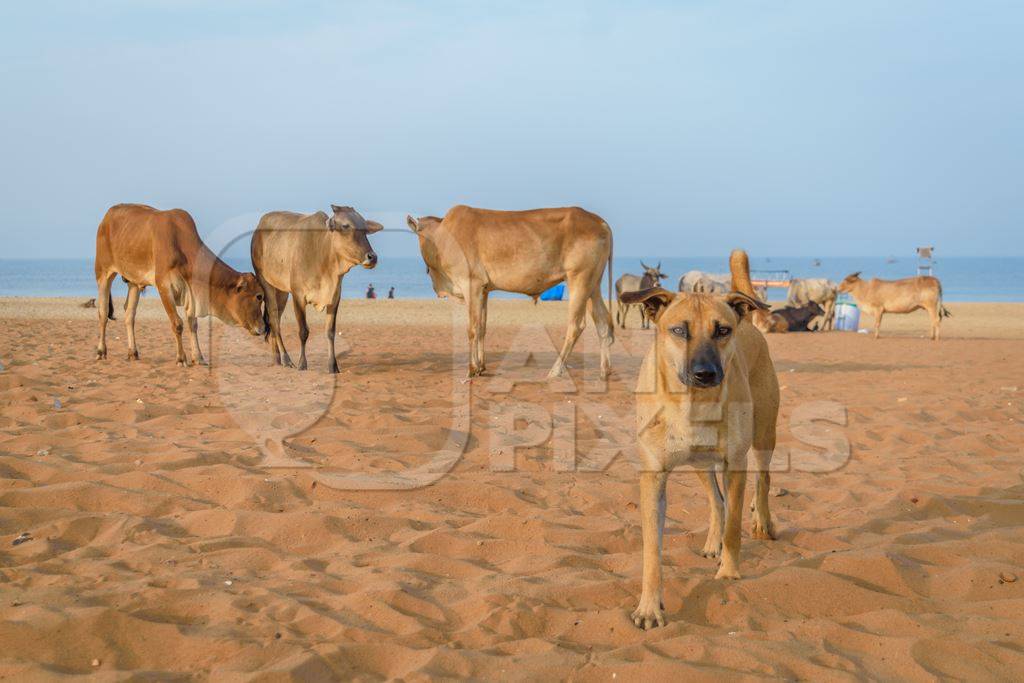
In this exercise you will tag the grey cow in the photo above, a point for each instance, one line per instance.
(652, 277)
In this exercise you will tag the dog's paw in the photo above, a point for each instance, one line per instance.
(763, 532)
(649, 614)
(712, 547)
(727, 573)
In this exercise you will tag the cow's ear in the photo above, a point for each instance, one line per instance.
(654, 300)
(743, 304)
(373, 226)
(413, 224)
(240, 284)
(336, 209)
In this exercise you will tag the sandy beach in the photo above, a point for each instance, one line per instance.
(145, 531)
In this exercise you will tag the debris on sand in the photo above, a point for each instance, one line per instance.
(22, 538)
(91, 303)
(778, 492)
(1007, 577)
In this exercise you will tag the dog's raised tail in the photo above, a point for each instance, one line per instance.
(739, 266)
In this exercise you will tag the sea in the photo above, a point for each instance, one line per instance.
(963, 279)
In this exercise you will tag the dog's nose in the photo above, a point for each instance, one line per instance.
(705, 375)
(371, 260)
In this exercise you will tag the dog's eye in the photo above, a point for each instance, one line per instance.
(681, 331)
(722, 331)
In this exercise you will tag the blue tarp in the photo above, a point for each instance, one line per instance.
(556, 293)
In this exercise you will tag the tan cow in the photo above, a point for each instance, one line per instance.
(803, 291)
(307, 255)
(877, 297)
(147, 246)
(472, 252)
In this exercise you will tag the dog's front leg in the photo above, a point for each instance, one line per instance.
(735, 484)
(649, 613)
(716, 512)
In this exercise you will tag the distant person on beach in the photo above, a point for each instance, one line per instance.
(371, 293)
(391, 293)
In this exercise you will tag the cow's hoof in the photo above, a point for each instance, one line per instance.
(301, 365)
(133, 355)
(648, 614)
(202, 361)
(101, 355)
(332, 369)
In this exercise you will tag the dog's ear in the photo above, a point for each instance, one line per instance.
(653, 299)
(743, 304)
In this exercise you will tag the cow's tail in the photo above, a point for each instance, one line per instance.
(943, 311)
(110, 307)
(611, 283)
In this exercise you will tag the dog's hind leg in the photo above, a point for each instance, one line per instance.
(716, 513)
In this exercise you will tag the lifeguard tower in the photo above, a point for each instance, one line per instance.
(925, 260)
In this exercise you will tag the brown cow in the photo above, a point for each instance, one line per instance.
(147, 246)
(877, 297)
(307, 256)
(472, 252)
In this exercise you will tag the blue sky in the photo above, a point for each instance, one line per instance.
(805, 128)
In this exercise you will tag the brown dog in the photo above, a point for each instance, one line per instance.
(707, 394)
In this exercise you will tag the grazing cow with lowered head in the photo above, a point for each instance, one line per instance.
(472, 252)
(652, 277)
(877, 297)
(307, 256)
(803, 291)
(146, 247)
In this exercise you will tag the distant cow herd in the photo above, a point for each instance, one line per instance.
(468, 253)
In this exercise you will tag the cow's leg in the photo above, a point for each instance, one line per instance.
(103, 310)
(579, 294)
(603, 324)
(300, 318)
(477, 302)
(936, 316)
(275, 301)
(332, 321)
(167, 299)
(192, 325)
(482, 333)
(131, 303)
(878, 322)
